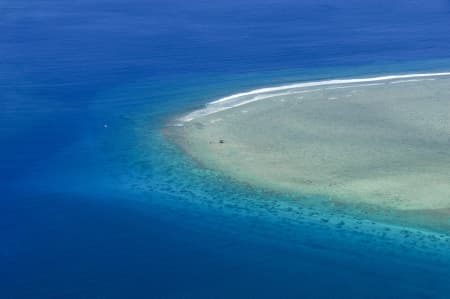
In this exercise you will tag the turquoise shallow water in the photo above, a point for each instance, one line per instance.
(249, 235)
(118, 211)
(377, 141)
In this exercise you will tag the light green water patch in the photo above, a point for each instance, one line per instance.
(382, 144)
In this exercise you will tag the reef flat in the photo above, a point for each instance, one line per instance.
(381, 142)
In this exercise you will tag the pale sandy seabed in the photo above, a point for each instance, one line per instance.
(382, 144)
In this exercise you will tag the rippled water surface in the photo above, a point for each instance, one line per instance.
(96, 202)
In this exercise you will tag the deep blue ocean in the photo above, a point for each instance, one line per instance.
(95, 202)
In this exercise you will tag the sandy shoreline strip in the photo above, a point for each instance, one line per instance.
(233, 101)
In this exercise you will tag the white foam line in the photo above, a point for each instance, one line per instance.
(272, 96)
(328, 82)
(410, 80)
(354, 86)
(210, 107)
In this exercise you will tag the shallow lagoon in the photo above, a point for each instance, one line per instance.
(378, 143)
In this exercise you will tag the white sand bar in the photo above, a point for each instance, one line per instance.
(381, 141)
